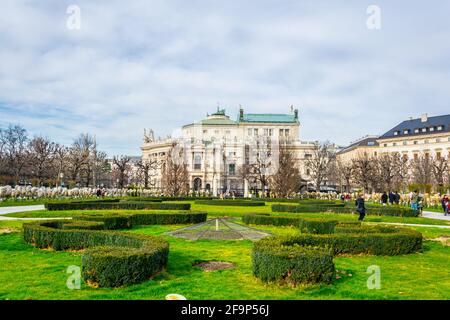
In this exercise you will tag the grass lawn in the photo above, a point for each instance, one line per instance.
(234, 211)
(29, 273)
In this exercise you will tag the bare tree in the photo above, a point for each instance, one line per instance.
(363, 171)
(145, 169)
(175, 176)
(122, 169)
(287, 180)
(422, 170)
(439, 167)
(41, 157)
(345, 173)
(388, 166)
(320, 163)
(14, 144)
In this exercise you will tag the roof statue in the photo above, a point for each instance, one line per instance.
(149, 137)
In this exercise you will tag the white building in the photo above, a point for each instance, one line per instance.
(216, 147)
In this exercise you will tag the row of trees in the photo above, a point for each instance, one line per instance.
(393, 171)
(41, 161)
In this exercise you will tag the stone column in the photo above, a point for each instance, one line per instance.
(245, 188)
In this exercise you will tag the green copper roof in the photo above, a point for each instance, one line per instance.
(269, 117)
(218, 122)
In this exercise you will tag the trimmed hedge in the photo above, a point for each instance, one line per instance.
(342, 208)
(167, 198)
(299, 259)
(127, 221)
(112, 259)
(272, 260)
(116, 206)
(240, 203)
(310, 225)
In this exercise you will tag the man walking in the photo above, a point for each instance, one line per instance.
(360, 208)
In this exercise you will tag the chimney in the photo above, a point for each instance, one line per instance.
(424, 117)
(296, 114)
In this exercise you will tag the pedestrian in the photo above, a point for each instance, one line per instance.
(99, 193)
(391, 197)
(397, 198)
(384, 198)
(444, 202)
(360, 208)
(448, 208)
(414, 200)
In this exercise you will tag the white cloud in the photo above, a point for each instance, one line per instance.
(162, 64)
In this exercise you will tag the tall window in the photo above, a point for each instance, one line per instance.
(231, 169)
(255, 132)
(249, 132)
(197, 162)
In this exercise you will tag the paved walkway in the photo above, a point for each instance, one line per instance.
(435, 215)
(6, 210)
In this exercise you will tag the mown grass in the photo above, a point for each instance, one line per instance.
(30, 273)
(221, 211)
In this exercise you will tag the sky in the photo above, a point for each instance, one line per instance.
(162, 64)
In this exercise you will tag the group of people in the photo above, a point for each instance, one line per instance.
(393, 197)
(445, 204)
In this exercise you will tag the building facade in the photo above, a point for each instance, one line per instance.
(216, 147)
(424, 136)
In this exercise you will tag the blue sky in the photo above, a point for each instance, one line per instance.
(162, 64)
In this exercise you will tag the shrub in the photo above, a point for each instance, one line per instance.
(341, 208)
(112, 222)
(240, 203)
(317, 226)
(112, 259)
(297, 259)
(274, 261)
(310, 225)
(116, 205)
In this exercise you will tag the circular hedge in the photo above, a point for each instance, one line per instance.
(308, 257)
(111, 258)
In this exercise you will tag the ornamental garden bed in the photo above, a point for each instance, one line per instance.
(112, 259)
(308, 257)
(122, 205)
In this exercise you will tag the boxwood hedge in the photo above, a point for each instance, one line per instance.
(128, 205)
(342, 208)
(112, 258)
(240, 203)
(298, 259)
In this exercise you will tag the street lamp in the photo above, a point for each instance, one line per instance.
(61, 176)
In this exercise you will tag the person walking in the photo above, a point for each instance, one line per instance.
(384, 198)
(444, 203)
(414, 200)
(391, 198)
(360, 207)
(397, 198)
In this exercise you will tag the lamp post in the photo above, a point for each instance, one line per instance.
(61, 177)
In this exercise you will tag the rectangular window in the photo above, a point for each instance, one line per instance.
(266, 132)
(439, 128)
(249, 132)
(395, 133)
(286, 132)
(416, 130)
(424, 129)
(255, 131)
(431, 129)
(406, 132)
(405, 143)
(438, 155)
(416, 142)
(231, 169)
(270, 132)
(281, 132)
